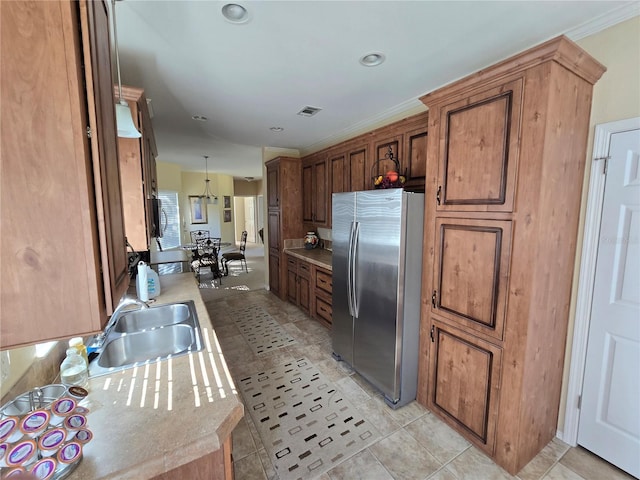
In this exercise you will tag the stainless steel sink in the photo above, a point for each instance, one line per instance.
(152, 317)
(147, 336)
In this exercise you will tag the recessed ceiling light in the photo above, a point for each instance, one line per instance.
(235, 13)
(200, 118)
(276, 129)
(372, 59)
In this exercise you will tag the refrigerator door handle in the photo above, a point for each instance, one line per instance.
(350, 270)
(354, 262)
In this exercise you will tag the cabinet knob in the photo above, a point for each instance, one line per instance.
(433, 299)
(438, 194)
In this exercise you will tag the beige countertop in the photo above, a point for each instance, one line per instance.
(317, 256)
(148, 420)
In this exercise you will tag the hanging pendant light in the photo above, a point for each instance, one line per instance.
(124, 120)
(207, 194)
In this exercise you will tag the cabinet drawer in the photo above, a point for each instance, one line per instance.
(323, 309)
(292, 263)
(304, 269)
(324, 281)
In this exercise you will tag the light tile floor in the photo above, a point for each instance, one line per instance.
(416, 445)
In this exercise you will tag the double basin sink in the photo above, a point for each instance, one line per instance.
(149, 335)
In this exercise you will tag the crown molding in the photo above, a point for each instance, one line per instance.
(415, 105)
(609, 19)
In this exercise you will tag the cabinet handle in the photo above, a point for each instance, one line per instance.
(433, 299)
(431, 334)
(438, 194)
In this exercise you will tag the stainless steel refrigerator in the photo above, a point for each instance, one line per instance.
(377, 265)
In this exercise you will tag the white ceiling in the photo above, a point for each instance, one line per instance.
(247, 78)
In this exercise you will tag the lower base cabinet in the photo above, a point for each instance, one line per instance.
(464, 381)
(298, 283)
(322, 291)
(217, 465)
(274, 273)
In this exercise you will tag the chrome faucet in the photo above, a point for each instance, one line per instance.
(125, 301)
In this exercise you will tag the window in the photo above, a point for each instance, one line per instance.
(170, 224)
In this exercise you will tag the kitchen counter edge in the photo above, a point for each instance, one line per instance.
(135, 441)
(319, 257)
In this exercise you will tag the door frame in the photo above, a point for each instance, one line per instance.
(586, 279)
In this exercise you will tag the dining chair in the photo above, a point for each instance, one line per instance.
(206, 256)
(199, 236)
(236, 256)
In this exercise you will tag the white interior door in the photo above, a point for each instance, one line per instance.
(609, 422)
(250, 218)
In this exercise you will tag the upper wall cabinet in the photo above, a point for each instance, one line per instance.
(138, 172)
(63, 258)
(315, 190)
(480, 139)
(350, 166)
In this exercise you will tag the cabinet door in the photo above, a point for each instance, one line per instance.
(339, 173)
(274, 274)
(464, 382)
(115, 264)
(304, 285)
(359, 169)
(479, 150)
(414, 161)
(381, 150)
(304, 293)
(320, 192)
(307, 192)
(273, 222)
(471, 273)
(272, 187)
(292, 280)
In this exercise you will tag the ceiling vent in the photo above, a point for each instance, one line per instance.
(309, 111)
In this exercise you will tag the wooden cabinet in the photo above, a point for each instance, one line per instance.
(322, 292)
(506, 151)
(274, 274)
(480, 140)
(381, 163)
(466, 377)
(283, 216)
(315, 191)
(63, 257)
(273, 188)
(350, 165)
(299, 282)
(138, 172)
(414, 160)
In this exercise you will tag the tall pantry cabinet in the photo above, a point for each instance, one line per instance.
(506, 151)
(284, 216)
(63, 259)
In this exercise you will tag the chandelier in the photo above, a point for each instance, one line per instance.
(208, 194)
